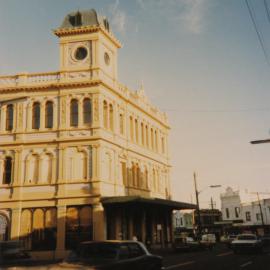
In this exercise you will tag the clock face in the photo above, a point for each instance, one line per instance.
(107, 58)
(80, 53)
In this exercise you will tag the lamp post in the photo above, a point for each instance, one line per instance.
(197, 192)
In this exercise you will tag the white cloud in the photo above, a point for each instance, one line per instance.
(188, 14)
(118, 17)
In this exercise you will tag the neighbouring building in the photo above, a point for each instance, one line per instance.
(82, 156)
(250, 216)
(183, 221)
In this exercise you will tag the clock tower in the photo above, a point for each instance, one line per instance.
(87, 44)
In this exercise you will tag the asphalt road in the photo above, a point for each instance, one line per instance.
(220, 258)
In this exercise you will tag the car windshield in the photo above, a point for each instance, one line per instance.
(97, 251)
(246, 237)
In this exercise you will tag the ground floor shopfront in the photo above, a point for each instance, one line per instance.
(50, 231)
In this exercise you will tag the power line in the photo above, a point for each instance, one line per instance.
(257, 31)
(267, 9)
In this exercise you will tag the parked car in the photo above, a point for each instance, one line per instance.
(247, 242)
(208, 240)
(185, 243)
(266, 240)
(227, 239)
(114, 255)
(12, 252)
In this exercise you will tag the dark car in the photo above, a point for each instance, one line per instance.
(247, 242)
(185, 243)
(114, 255)
(266, 240)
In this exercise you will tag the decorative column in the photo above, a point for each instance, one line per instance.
(61, 232)
(15, 223)
(99, 222)
(42, 115)
(3, 118)
(80, 112)
(29, 117)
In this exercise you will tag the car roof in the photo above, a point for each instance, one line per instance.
(111, 241)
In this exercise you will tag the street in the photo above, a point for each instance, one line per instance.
(220, 258)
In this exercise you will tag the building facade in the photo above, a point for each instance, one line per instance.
(255, 213)
(74, 142)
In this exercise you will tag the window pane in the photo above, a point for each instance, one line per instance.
(87, 111)
(36, 116)
(74, 113)
(49, 115)
(7, 170)
(9, 117)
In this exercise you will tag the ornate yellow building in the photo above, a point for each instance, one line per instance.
(82, 156)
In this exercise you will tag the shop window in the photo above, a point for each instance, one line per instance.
(9, 117)
(38, 229)
(78, 225)
(7, 170)
(74, 114)
(49, 114)
(87, 111)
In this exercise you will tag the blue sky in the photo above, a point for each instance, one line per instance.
(199, 60)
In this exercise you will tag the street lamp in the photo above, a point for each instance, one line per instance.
(197, 200)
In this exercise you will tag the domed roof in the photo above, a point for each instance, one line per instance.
(84, 18)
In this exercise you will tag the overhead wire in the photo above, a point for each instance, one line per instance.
(259, 35)
(267, 9)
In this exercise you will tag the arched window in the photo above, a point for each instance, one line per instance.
(105, 114)
(74, 117)
(131, 131)
(146, 136)
(9, 117)
(111, 117)
(146, 178)
(142, 135)
(136, 131)
(36, 115)
(7, 170)
(49, 114)
(138, 175)
(87, 111)
(152, 138)
(121, 123)
(156, 141)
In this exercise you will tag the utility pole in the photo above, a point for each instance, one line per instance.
(212, 204)
(198, 205)
(260, 209)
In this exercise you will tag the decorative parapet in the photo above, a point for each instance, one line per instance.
(25, 81)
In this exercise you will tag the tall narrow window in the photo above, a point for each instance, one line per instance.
(7, 170)
(156, 141)
(49, 114)
(9, 118)
(142, 133)
(136, 131)
(152, 138)
(163, 145)
(74, 117)
(36, 115)
(87, 112)
(105, 114)
(227, 213)
(131, 128)
(111, 117)
(146, 136)
(121, 123)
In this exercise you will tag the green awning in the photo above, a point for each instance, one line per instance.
(121, 200)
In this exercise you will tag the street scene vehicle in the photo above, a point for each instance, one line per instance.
(186, 243)
(208, 240)
(247, 242)
(118, 255)
(227, 239)
(12, 252)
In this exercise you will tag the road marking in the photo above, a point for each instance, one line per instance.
(224, 254)
(246, 264)
(178, 265)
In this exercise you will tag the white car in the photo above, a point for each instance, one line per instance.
(208, 240)
(247, 242)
